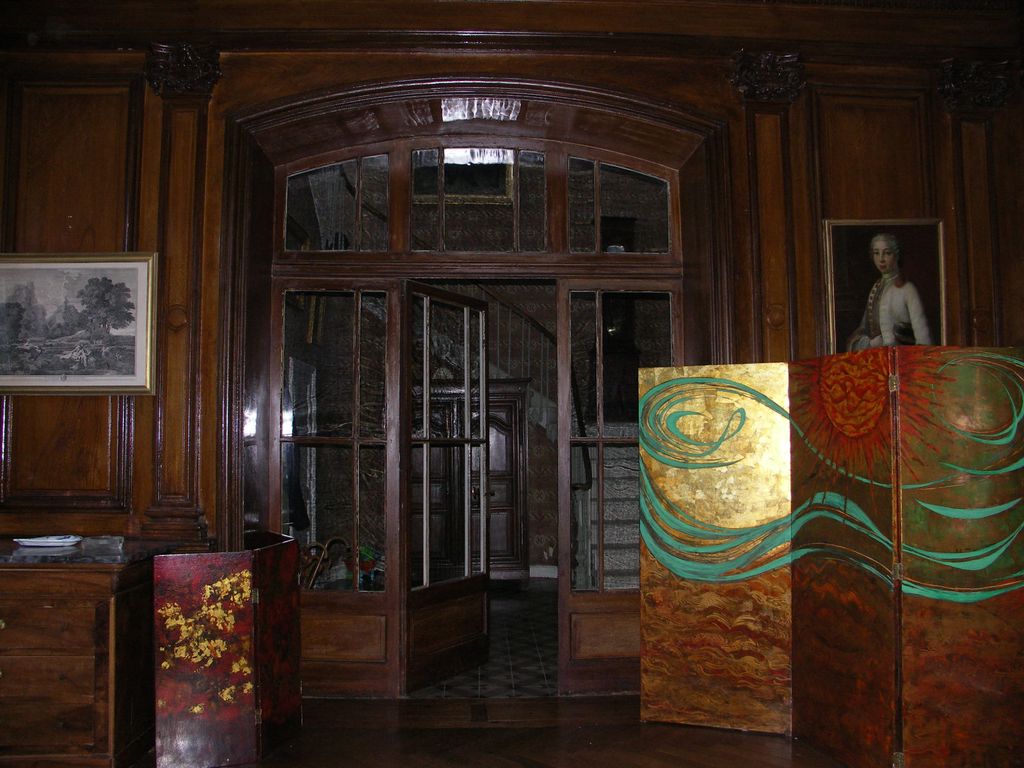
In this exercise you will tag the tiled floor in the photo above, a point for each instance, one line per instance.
(523, 658)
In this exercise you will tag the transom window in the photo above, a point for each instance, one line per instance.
(479, 199)
(630, 209)
(339, 207)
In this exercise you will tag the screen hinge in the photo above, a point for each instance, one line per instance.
(255, 596)
(897, 575)
(894, 382)
(897, 760)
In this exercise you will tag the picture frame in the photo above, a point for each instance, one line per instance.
(77, 323)
(850, 273)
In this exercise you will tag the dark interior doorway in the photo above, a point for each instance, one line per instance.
(523, 591)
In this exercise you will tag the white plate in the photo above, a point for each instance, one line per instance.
(49, 541)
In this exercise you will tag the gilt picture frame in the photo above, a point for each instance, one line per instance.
(849, 273)
(77, 323)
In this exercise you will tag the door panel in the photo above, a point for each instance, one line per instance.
(606, 334)
(446, 427)
(335, 476)
(507, 478)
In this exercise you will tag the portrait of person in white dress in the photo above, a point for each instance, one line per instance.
(894, 313)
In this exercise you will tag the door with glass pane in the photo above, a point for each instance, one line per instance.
(338, 488)
(445, 509)
(606, 335)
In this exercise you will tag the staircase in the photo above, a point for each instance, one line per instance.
(621, 518)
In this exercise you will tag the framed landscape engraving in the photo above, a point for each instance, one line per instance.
(884, 283)
(77, 322)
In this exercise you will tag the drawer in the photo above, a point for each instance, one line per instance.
(66, 677)
(45, 725)
(28, 628)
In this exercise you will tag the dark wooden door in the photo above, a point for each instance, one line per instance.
(507, 455)
(508, 472)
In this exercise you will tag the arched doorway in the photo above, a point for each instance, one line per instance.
(367, 640)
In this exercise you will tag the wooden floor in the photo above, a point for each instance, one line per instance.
(600, 732)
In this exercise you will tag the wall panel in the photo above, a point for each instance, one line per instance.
(775, 243)
(70, 180)
(72, 167)
(979, 241)
(871, 155)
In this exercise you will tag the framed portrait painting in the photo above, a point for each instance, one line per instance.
(884, 283)
(77, 322)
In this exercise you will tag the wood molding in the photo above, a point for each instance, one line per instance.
(864, 27)
(23, 488)
(978, 228)
(182, 70)
(184, 79)
(974, 85)
(769, 82)
(768, 76)
(772, 231)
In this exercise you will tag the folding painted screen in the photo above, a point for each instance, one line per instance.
(227, 653)
(900, 554)
(715, 506)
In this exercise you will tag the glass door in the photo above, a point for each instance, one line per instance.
(607, 333)
(446, 449)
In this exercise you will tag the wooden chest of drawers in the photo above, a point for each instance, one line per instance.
(76, 660)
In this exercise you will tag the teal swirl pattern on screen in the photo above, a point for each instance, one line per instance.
(696, 550)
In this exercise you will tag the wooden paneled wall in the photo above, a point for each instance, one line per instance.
(73, 162)
(832, 111)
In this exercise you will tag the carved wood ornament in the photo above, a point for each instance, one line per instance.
(768, 76)
(968, 85)
(182, 70)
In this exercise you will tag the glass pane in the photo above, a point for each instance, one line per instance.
(475, 539)
(345, 238)
(634, 211)
(653, 313)
(318, 394)
(416, 360)
(321, 208)
(372, 359)
(447, 368)
(372, 530)
(583, 500)
(532, 202)
(582, 338)
(425, 200)
(416, 534)
(475, 359)
(621, 517)
(581, 205)
(318, 507)
(636, 333)
(254, 483)
(302, 227)
(447, 513)
(478, 207)
(621, 357)
(373, 217)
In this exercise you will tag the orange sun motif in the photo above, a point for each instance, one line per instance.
(854, 396)
(843, 406)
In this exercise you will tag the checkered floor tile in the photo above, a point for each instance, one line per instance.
(523, 657)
